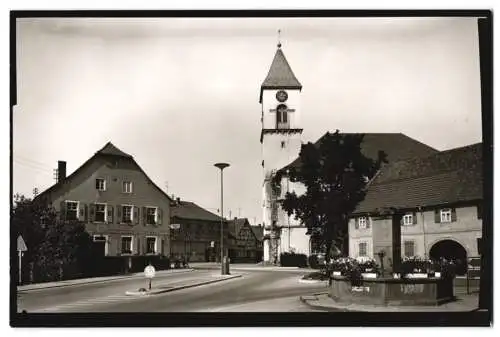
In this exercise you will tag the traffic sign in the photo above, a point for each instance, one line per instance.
(21, 245)
(149, 271)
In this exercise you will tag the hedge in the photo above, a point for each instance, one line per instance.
(293, 260)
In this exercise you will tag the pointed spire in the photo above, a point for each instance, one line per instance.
(280, 74)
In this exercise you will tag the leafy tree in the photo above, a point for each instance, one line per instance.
(334, 173)
(56, 248)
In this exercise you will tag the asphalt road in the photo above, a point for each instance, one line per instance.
(254, 291)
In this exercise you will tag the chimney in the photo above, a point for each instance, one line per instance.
(61, 171)
(178, 201)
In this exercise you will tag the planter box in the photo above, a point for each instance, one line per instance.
(396, 275)
(369, 275)
(336, 273)
(417, 275)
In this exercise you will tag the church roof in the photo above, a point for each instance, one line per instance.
(442, 178)
(396, 146)
(280, 75)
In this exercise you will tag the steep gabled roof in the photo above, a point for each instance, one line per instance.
(190, 210)
(108, 150)
(259, 232)
(443, 178)
(236, 224)
(396, 146)
(280, 75)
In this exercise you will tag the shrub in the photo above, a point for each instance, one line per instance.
(293, 260)
(313, 261)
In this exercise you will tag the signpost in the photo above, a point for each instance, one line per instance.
(149, 273)
(21, 247)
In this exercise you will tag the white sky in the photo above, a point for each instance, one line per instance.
(182, 94)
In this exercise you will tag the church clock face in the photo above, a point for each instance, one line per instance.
(281, 96)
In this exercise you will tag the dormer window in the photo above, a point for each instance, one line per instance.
(282, 117)
(100, 184)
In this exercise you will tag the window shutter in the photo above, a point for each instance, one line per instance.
(144, 216)
(136, 214)
(437, 216)
(368, 222)
(110, 214)
(479, 211)
(92, 213)
(86, 212)
(356, 223)
(138, 249)
(119, 214)
(159, 215)
(81, 212)
(402, 221)
(62, 214)
(414, 218)
(453, 215)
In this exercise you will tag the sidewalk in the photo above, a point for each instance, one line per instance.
(165, 287)
(464, 303)
(67, 283)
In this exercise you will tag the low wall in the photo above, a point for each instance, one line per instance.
(390, 291)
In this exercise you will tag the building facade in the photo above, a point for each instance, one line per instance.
(440, 200)
(195, 233)
(244, 245)
(124, 211)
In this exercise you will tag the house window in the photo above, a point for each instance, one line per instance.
(283, 144)
(446, 215)
(150, 245)
(409, 247)
(408, 220)
(103, 239)
(363, 249)
(362, 222)
(71, 210)
(100, 212)
(126, 245)
(282, 116)
(151, 215)
(100, 184)
(127, 187)
(127, 213)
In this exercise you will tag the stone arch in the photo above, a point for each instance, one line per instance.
(450, 248)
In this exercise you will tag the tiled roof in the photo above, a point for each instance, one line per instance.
(280, 75)
(396, 146)
(110, 149)
(259, 232)
(190, 210)
(442, 178)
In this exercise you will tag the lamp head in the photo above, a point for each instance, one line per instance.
(221, 165)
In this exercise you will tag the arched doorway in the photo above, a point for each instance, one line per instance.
(450, 250)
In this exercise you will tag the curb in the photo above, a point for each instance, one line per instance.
(312, 281)
(156, 292)
(123, 277)
(337, 309)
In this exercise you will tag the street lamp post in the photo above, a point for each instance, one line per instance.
(221, 166)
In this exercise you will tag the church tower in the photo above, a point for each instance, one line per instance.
(281, 141)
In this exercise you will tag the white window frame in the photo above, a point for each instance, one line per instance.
(408, 219)
(366, 248)
(77, 208)
(445, 215)
(125, 183)
(105, 211)
(156, 215)
(156, 244)
(104, 184)
(131, 213)
(105, 245)
(362, 224)
(131, 244)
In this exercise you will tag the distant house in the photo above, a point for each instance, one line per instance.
(126, 213)
(195, 233)
(245, 246)
(441, 197)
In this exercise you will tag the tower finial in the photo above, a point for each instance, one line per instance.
(279, 38)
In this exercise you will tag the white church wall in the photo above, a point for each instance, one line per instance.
(269, 102)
